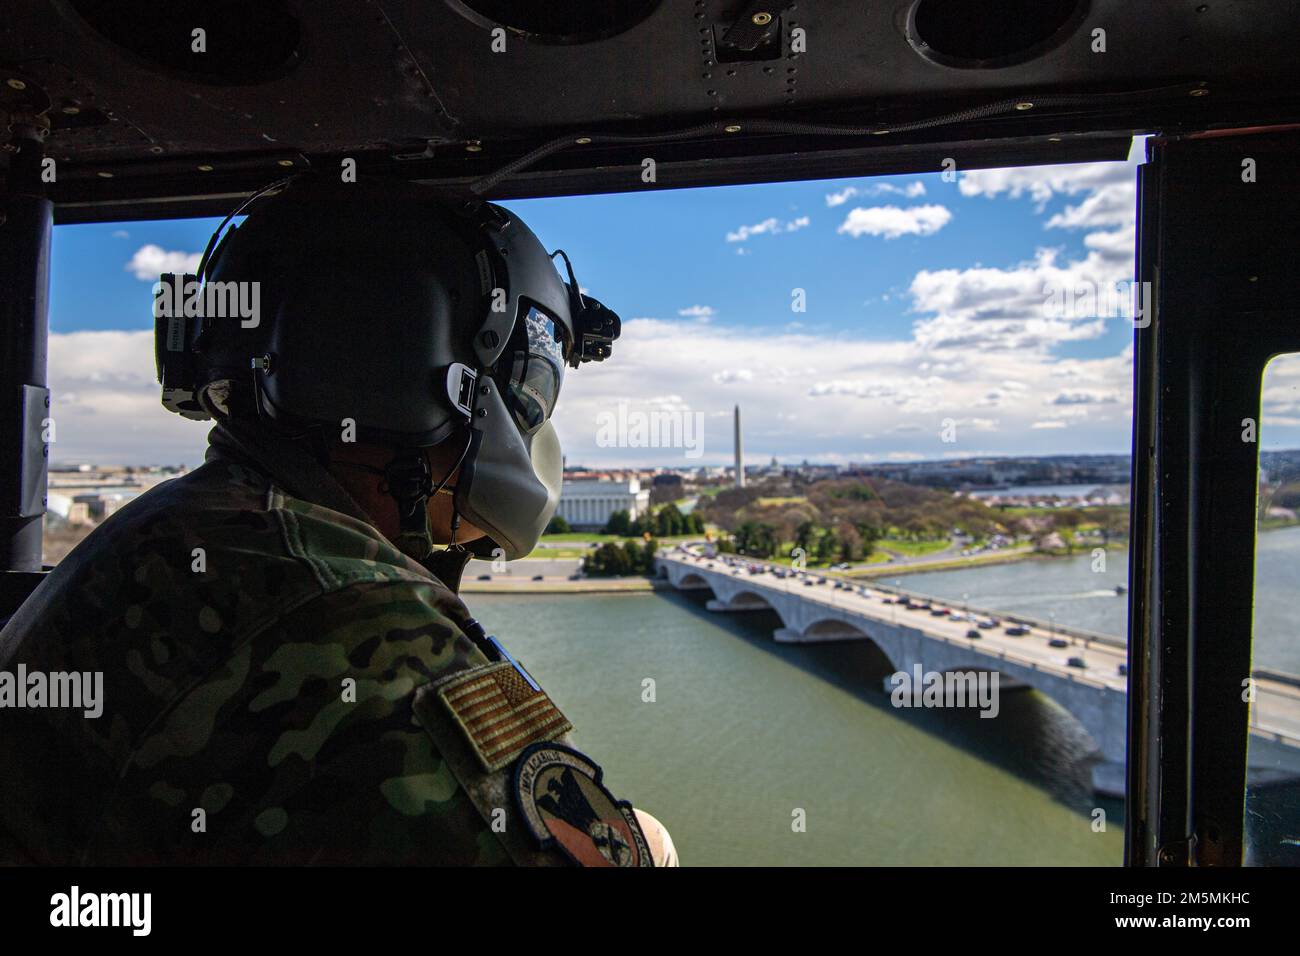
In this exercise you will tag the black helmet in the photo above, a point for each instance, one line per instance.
(397, 317)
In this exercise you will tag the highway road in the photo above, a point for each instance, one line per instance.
(1277, 706)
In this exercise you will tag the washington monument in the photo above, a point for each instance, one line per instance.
(740, 453)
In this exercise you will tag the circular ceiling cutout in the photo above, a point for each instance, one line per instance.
(990, 33)
(243, 41)
(558, 21)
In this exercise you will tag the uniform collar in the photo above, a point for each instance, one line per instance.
(291, 464)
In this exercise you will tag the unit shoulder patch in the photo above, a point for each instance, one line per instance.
(500, 713)
(561, 797)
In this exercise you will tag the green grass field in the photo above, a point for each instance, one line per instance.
(578, 537)
(578, 544)
(575, 552)
(909, 548)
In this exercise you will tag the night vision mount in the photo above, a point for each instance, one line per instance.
(595, 327)
(177, 341)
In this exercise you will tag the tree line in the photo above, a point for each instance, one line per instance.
(843, 518)
(666, 522)
(615, 559)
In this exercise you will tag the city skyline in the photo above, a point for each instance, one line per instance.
(901, 318)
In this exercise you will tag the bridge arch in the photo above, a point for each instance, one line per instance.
(835, 629)
(749, 600)
(1084, 705)
(736, 598)
(691, 581)
(828, 627)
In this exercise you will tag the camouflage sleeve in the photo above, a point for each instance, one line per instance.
(303, 746)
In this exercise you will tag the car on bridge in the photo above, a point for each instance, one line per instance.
(1058, 642)
(974, 634)
(1017, 630)
(1078, 662)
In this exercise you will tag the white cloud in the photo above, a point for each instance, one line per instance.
(1043, 182)
(1007, 309)
(1279, 425)
(698, 311)
(841, 197)
(727, 375)
(121, 234)
(911, 191)
(1084, 397)
(151, 261)
(892, 222)
(989, 308)
(802, 394)
(105, 403)
(769, 226)
(1110, 205)
(1116, 246)
(816, 396)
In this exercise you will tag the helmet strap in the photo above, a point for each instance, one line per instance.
(410, 482)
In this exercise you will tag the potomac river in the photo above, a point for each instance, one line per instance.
(754, 752)
(746, 738)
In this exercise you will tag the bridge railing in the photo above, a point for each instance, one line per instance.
(830, 600)
(1275, 734)
(1087, 637)
(1066, 630)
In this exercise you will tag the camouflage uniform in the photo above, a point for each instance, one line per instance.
(223, 690)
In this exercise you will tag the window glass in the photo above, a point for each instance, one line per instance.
(1272, 827)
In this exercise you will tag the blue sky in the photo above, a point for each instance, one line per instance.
(655, 253)
(925, 332)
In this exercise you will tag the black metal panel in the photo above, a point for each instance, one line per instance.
(162, 194)
(1220, 254)
(24, 291)
(377, 80)
(1143, 771)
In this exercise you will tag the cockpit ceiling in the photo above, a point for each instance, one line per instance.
(142, 123)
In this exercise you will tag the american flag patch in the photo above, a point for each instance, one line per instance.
(500, 713)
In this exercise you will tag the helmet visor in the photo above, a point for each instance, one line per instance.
(536, 369)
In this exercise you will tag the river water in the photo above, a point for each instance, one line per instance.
(744, 737)
(1077, 595)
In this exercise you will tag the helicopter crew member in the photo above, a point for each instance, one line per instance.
(288, 673)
